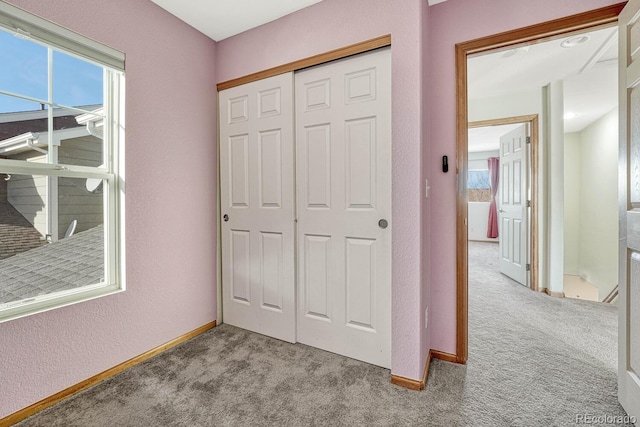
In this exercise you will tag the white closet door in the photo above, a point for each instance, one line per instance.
(343, 174)
(257, 200)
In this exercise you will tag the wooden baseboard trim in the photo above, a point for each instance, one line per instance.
(553, 293)
(447, 357)
(89, 382)
(412, 384)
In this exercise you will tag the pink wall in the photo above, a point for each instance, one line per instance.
(333, 24)
(452, 22)
(170, 213)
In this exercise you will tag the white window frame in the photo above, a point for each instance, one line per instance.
(26, 25)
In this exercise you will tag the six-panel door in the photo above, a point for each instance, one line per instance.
(257, 204)
(343, 170)
(513, 204)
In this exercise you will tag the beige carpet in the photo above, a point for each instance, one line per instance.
(534, 361)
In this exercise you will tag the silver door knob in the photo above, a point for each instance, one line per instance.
(383, 224)
(501, 211)
(225, 217)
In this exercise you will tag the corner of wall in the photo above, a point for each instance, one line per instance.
(425, 173)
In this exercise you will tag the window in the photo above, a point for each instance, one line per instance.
(61, 166)
(478, 186)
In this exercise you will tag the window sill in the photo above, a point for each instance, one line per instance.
(44, 303)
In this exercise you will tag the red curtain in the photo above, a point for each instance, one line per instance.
(494, 177)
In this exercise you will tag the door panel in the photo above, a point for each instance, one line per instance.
(317, 95)
(517, 183)
(518, 231)
(343, 128)
(257, 197)
(271, 257)
(513, 207)
(239, 170)
(316, 269)
(270, 169)
(240, 266)
(634, 315)
(317, 166)
(269, 102)
(629, 217)
(360, 283)
(238, 109)
(361, 173)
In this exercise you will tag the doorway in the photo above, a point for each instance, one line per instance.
(516, 189)
(558, 28)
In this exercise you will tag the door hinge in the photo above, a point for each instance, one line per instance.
(528, 267)
(528, 140)
(528, 203)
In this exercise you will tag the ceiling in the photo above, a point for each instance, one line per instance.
(488, 138)
(219, 19)
(589, 72)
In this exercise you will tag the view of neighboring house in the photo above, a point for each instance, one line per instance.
(37, 212)
(17, 234)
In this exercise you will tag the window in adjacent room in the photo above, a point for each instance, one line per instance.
(61, 166)
(478, 186)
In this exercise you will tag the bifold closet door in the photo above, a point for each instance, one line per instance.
(343, 187)
(257, 205)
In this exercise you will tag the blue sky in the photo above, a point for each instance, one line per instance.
(24, 71)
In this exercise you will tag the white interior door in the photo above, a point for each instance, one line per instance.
(629, 272)
(513, 204)
(257, 204)
(343, 170)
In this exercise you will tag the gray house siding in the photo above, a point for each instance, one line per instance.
(28, 194)
(75, 201)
